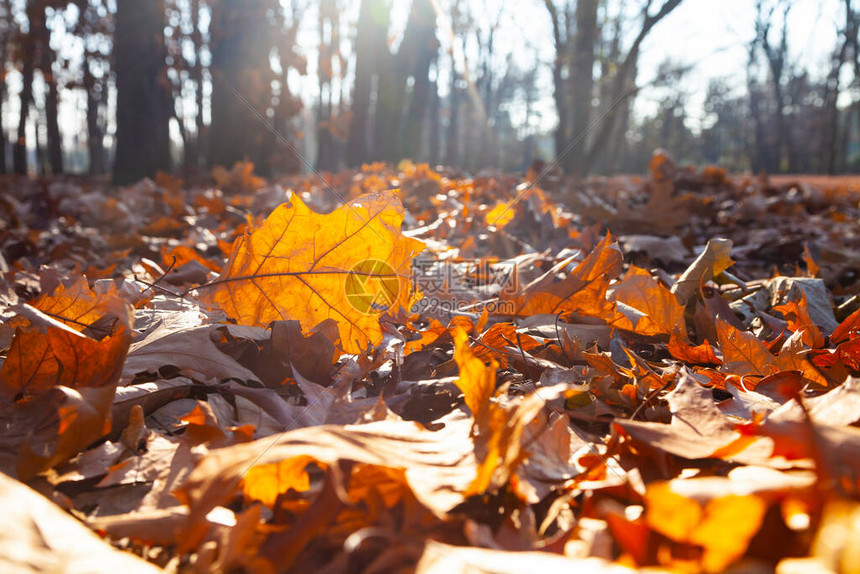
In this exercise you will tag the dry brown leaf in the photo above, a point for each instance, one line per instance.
(702, 354)
(663, 315)
(582, 290)
(439, 465)
(711, 262)
(698, 428)
(43, 538)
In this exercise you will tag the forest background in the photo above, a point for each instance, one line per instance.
(131, 87)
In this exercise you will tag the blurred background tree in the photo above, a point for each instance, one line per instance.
(128, 87)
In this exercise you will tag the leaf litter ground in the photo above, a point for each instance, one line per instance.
(481, 373)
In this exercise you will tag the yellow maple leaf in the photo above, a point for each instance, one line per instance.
(350, 265)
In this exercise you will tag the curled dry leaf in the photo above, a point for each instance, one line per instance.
(711, 262)
(797, 314)
(57, 384)
(349, 265)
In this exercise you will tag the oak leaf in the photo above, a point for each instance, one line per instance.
(502, 341)
(348, 265)
(745, 354)
(76, 306)
(702, 354)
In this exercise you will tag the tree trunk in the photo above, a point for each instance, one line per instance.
(325, 71)
(3, 142)
(20, 150)
(558, 83)
(95, 137)
(370, 48)
(582, 85)
(34, 14)
(389, 108)
(55, 143)
(143, 91)
(197, 78)
(241, 83)
(434, 126)
(419, 50)
(623, 85)
(42, 39)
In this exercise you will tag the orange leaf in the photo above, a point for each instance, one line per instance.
(797, 315)
(500, 215)
(498, 431)
(663, 313)
(349, 265)
(582, 290)
(811, 266)
(498, 338)
(697, 355)
(76, 306)
(745, 354)
(240, 178)
(57, 384)
(477, 381)
(434, 330)
(184, 254)
(264, 482)
(848, 328)
(723, 526)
